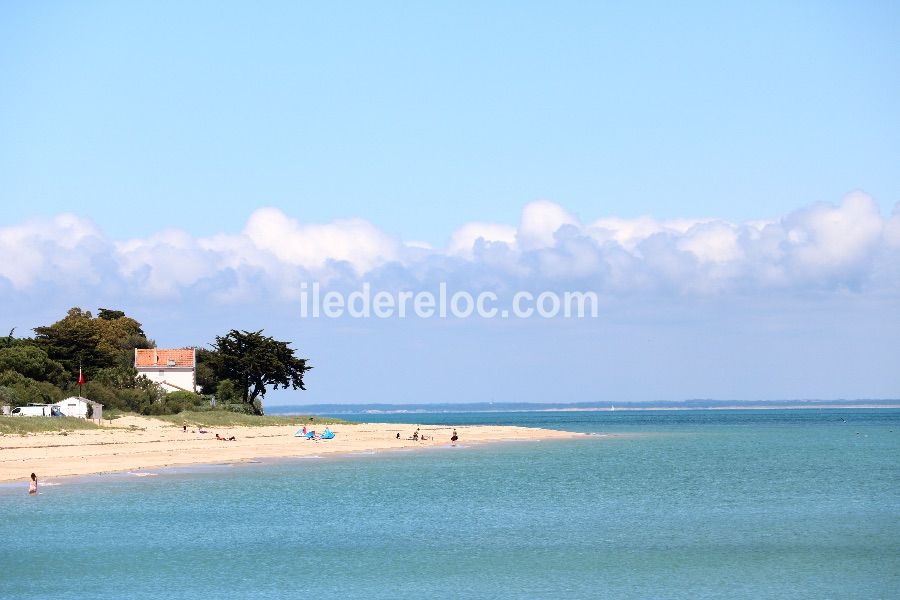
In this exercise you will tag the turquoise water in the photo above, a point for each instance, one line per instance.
(687, 504)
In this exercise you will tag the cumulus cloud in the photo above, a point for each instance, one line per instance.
(824, 247)
(65, 249)
(311, 246)
(831, 240)
(540, 222)
(463, 240)
(165, 262)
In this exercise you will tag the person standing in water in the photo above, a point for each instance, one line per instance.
(32, 485)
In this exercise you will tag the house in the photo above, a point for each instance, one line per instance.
(76, 406)
(173, 369)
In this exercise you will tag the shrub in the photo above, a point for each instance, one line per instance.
(28, 390)
(9, 397)
(175, 402)
(117, 377)
(105, 395)
(226, 392)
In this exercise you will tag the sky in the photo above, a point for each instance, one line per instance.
(724, 177)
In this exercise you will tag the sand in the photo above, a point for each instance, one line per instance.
(138, 443)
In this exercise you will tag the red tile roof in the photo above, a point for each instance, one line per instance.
(156, 357)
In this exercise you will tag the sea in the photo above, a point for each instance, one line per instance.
(652, 504)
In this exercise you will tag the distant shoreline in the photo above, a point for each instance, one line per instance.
(539, 408)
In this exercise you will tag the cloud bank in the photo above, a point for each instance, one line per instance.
(838, 248)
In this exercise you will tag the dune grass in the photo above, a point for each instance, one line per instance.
(222, 418)
(25, 425)
(206, 418)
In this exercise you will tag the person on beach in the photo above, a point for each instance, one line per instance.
(185, 427)
(398, 435)
(32, 485)
(454, 437)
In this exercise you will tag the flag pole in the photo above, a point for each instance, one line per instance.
(80, 381)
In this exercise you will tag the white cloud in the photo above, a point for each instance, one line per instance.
(540, 220)
(628, 233)
(311, 246)
(849, 245)
(463, 240)
(713, 242)
(165, 263)
(60, 249)
(826, 240)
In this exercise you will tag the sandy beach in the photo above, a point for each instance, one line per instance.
(134, 443)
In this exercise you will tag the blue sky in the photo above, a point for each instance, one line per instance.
(726, 176)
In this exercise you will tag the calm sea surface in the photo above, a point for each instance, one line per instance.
(685, 504)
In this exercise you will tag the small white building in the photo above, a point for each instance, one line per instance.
(173, 369)
(76, 406)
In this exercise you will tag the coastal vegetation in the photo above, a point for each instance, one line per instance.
(22, 426)
(221, 418)
(232, 375)
(243, 364)
(205, 418)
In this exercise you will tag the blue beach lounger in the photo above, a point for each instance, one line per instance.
(311, 435)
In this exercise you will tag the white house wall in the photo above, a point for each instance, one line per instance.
(170, 378)
(73, 408)
(78, 407)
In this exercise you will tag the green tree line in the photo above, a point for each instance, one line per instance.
(236, 371)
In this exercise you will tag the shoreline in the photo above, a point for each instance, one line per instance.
(139, 443)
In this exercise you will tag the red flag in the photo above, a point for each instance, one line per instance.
(80, 377)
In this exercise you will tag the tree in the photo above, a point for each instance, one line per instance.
(32, 362)
(120, 335)
(205, 371)
(81, 341)
(226, 393)
(28, 390)
(75, 342)
(9, 341)
(254, 361)
(9, 397)
(108, 314)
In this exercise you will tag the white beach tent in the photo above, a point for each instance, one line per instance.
(76, 406)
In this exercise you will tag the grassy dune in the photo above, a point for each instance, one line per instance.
(221, 418)
(24, 425)
(208, 418)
